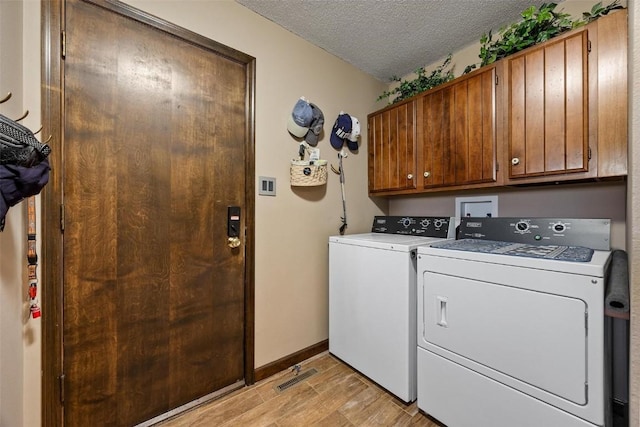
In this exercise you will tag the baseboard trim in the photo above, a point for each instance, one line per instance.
(290, 360)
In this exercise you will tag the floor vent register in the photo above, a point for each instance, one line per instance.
(295, 380)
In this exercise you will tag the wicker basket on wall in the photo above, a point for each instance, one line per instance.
(307, 174)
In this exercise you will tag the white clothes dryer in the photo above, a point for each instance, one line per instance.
(511, 331)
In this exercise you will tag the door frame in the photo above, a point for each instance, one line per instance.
(52, 95)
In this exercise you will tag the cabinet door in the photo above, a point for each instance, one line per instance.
(392, 148)
(612, 112)
(548, 118)
(457, 132)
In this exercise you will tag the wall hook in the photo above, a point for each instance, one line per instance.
(26, 113)
(48, 139)
(38, 131)
(6, 98)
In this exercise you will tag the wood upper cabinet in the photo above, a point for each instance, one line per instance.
(609, 123)
(392, 148)
(556, 111)
(548, 118)
(567, 105)
(456, 132)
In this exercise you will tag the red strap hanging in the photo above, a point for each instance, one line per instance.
(32, 258)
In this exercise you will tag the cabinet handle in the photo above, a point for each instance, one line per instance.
(410, 176)
(427, 174)
(515, 161)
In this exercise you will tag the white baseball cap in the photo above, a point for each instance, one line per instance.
(352, 137)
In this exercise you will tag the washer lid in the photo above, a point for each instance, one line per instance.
(395, 242)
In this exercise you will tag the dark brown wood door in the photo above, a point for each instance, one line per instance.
(392, 148)
(548, 108)
(155, 150)
(457, 132)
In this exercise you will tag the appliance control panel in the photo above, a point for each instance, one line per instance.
(426, 226)
(590, 233)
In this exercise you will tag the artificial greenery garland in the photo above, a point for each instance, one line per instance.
(407, 88)
(536, 26)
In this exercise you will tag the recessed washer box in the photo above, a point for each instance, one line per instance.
(480, 206)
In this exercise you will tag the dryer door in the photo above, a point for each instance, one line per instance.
(532, 336)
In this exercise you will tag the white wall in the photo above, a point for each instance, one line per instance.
(633, 206)
(11, 242)
(19, 336)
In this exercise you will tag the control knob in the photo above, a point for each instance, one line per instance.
(559, 227)
(522, 226)
(438, 223)
(406, 222)
(425, 223)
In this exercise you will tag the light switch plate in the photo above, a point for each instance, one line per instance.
(266, 186)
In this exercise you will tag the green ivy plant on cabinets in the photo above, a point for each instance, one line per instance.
(407, 88)
(536, 26)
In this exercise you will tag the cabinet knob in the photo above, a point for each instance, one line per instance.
(410, 176)
(515, 161)
(427, 174)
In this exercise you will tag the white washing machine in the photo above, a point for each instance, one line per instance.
(511, 324)
(372, 298)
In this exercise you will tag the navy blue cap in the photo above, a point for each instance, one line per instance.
(341, 130)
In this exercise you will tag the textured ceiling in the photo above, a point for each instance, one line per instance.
(388, 38)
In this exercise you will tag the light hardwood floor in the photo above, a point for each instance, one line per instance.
(336, 396)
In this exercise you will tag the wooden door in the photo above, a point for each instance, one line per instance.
(392, 148)
(457, 132)
(548, 122)
(157, 140)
